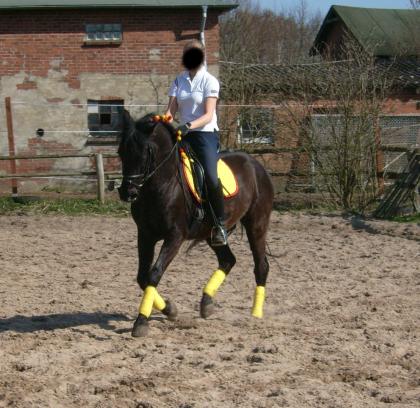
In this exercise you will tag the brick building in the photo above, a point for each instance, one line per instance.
(56, 56)
(389, 35)
(390, 38)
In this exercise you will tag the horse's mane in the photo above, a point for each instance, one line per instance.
(145, 125)
(136, 132)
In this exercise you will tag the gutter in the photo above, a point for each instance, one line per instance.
(157, 5)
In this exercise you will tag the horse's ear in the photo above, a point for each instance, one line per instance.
(127, 119)
(146, 124)
(128, 123)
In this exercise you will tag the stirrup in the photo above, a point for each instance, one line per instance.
(218, 236)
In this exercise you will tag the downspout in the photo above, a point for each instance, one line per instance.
(203, 24)
(203, 29)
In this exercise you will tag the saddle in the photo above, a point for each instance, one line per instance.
(193, 174)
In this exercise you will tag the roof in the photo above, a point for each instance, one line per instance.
(43, 4)
(282, 79)
(384, 32)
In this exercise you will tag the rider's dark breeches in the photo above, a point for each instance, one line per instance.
(206, 146)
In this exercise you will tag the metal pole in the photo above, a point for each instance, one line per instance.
(101, 177)
(11, 139)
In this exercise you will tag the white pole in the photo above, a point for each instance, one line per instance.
(101, 177)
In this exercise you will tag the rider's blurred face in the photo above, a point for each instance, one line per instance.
(193, 58)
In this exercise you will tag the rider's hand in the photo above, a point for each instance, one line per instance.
(184, 129)
(168, 114)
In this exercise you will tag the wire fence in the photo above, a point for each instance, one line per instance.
(75, 138)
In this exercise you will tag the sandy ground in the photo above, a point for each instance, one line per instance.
(341, 325)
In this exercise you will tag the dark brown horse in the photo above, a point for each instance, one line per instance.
(161, 209)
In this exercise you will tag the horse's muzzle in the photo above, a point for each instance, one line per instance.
(128, 193)
(133, 193)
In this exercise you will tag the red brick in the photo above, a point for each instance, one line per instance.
(30, 41)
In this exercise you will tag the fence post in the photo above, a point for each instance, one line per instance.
(101, 177)
(379, 158)
(11, 140)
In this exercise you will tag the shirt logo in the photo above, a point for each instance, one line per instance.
(213, 91)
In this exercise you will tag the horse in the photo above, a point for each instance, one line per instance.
(160, 207)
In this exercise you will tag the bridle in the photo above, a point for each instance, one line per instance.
(138, 180)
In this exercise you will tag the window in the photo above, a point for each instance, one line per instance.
(105, 118)
(256, 126)
(103, 34)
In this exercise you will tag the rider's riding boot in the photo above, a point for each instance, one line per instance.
(218, 232)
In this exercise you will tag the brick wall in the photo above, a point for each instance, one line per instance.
(45, 64)
(37, 41)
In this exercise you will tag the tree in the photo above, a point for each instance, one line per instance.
(252, 35)
(415, 4)
(336, 108)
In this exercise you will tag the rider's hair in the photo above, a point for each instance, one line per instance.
(193, 56)
(194, 44)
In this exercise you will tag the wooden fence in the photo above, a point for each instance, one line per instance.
(99, 174)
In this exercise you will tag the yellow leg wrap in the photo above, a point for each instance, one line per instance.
(146, 304)
(159, 303)
(259, 297)
(214, 282)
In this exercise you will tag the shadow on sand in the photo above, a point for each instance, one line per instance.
(29, 324)
(359, 223)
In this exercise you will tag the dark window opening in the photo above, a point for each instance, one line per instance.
(105, 118)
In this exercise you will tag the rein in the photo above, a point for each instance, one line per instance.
(147, 175)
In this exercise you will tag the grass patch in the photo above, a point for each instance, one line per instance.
(407, 218)
(68, 206)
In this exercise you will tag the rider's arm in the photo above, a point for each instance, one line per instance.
(172, 108)
(209, 109)
(210, 95)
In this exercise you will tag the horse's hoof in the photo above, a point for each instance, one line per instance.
(206, 306)
(170, 311)
(141, 327)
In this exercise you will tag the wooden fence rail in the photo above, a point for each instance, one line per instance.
(256, 151)
(101, 175)
(57, 156)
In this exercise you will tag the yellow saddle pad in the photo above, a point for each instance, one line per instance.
(224, 172)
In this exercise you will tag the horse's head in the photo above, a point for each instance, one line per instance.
(137, 151)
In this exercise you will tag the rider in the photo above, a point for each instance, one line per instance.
(194, 95)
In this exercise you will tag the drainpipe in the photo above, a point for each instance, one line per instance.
(203, 24)
(203, 29)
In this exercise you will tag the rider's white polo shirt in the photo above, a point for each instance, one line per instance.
(191, 94)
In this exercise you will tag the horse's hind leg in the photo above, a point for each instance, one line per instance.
(256, 226)
(226, 261)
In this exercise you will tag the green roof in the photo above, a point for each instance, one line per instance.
(384, 32)
(37, 4)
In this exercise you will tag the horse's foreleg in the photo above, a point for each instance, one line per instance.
(170, 248)
(226, 261)
(146, 250)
